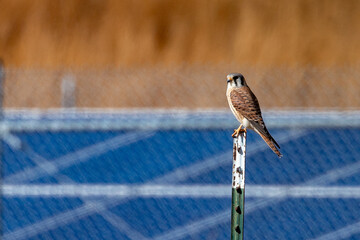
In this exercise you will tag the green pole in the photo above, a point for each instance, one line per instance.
(238, 187)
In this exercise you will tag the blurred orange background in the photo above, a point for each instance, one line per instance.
(111, 33)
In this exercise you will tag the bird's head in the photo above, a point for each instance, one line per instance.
(236, 80)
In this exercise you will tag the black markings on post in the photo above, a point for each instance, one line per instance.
(238, 209)
(234, 153)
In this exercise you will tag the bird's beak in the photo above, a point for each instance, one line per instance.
(228, 79)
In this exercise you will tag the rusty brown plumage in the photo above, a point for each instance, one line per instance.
(271, 143)
(246, 105)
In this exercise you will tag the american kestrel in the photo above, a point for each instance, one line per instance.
(245, 106)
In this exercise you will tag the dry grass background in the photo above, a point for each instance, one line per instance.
(182, 50)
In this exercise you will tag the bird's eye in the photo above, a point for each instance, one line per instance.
(235, 77)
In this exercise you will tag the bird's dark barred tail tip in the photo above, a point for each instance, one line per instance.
(271, 144)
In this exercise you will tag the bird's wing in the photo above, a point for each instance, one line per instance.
(246, 103)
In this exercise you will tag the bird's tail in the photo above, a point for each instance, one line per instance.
(270, 141)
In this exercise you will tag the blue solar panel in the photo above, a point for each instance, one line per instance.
(137, 157)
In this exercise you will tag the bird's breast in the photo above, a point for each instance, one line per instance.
(236, 113)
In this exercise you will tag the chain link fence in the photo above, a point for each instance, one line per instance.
(181, 87)
(147, 154)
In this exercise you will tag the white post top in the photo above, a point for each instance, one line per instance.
(238, 165)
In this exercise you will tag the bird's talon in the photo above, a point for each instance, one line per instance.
(237, 132)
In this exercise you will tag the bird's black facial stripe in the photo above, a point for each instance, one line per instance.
(235, 79)
(242, 80)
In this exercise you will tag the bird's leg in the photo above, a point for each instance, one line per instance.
(238, 131)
